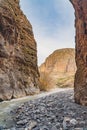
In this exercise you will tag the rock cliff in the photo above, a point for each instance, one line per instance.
(60, 64)
(18, 53)
(80, 7)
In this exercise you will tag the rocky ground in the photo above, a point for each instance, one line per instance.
(57, 111)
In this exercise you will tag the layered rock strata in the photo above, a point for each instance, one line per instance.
(80, 7)
(18, 53)
(61, 67)
(61, 61)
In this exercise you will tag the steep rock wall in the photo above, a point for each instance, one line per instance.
(80, 7)
(18, 53)
(61, 67)
(61, 61)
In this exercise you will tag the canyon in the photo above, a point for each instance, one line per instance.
(19, 74)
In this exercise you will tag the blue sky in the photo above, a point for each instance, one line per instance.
(53, 24)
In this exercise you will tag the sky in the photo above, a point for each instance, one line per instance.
(53, 25)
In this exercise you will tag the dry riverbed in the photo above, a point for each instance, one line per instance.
(47, 111)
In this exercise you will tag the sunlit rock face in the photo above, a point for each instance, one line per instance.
(60, 62)
(80, 7)
(60, 65)
(18, 53)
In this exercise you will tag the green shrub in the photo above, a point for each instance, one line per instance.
(65, 82)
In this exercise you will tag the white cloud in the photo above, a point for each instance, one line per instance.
(61, 35)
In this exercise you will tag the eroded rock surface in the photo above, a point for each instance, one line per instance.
(59, 62)
(60, 65)
(18, 53)
(81, 51)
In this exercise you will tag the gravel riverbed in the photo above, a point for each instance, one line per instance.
(56, 111)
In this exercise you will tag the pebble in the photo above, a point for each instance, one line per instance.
(54, 128)
(79, 129)
(73, 121)
(54, 112)
(22, 122)
(44, 128)
(32, 124)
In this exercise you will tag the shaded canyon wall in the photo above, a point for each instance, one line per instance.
(80, 87)
(18, 53)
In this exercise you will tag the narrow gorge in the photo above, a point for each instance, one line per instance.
(59, 109)
(19, 74)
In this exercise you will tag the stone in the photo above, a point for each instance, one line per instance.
(73, 121)
(66, 122)
(54, 128)
(82, 123)
(80, 85)
(26, 129)
(6, 129)
(78, 129)
(36, 128)
(13, 128)
(84, 112)
(44, 128)
(61, 128)
(22, 122)
(19, 74)
(32, 124)
(57, 125)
